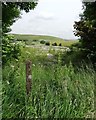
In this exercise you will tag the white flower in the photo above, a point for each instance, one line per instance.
(33, 64)
(8, 82)
(49, 55)
(12, 66)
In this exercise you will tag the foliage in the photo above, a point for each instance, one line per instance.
(10, 13)
(42, 41)
(13, 89)
(9, 49)
(54, 44)
(47, 43)
(86, 29)
(51, 39)
(60, 44)
(57, 92)
(35, 40)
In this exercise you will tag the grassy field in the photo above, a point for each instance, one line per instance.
(58, 91)
(35, 39)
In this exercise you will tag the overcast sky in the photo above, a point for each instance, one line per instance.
(50, 17)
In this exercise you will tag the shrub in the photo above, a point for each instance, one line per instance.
(32, 43)
(42, 41)
(18, 40)
(54, 44)
(9, 50)
(47, 43)
(35, 40)
(24, 40)
(60, 44)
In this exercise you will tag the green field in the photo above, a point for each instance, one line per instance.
(35, 39)
(58, 90)
(47, 77)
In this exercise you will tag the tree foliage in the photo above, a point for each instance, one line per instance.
(10, 49)
(11, 12)
(86, 28)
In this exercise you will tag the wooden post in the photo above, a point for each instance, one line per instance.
(28, 77)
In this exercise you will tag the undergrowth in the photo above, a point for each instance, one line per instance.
(57, 92)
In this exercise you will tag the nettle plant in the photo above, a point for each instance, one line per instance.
(10, 49)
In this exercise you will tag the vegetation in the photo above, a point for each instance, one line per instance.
(62, 77)
(86, 29)
(42, 41)
(47, 43)
(10, 13)
(54, 44)
(42, 38)
(60, 44)
(57, 91)
(10, 50)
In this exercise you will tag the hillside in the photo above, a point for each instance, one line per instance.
(37, 38)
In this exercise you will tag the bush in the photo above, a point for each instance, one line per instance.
(18, 40)
(42, 41)
(60, 44)
(47, 43)
(9, 50)
(35, 40)
(54, 44)
(24, 40)
(32, 43)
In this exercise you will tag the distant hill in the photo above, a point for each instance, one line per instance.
(50, 39)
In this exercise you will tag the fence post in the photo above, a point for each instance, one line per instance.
(28, 77)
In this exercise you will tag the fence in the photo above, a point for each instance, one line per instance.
(28, 77)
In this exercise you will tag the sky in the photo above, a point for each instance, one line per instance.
(50, 17)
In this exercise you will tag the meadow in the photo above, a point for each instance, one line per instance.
(35, 39)
(58, 90)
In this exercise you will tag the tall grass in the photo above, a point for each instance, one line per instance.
(14, 93)
(57, 92)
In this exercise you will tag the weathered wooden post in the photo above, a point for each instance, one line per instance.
(28, 77)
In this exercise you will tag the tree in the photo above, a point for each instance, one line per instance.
(11, 12)
(86, 28)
